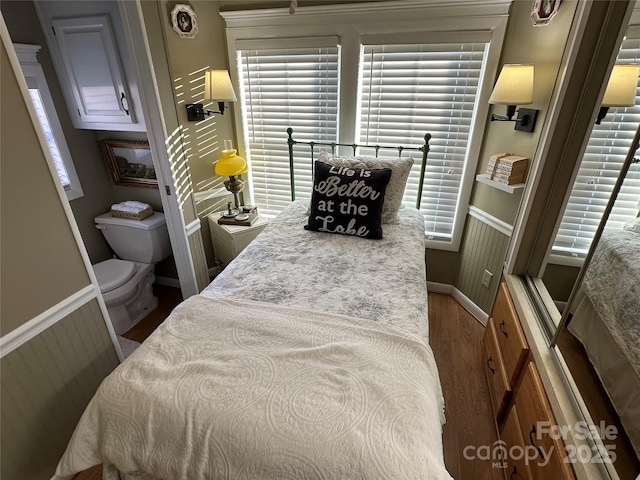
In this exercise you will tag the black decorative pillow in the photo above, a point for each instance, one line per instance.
(347, 200)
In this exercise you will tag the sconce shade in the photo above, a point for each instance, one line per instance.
(621, 89)
(217, 86)
(230, 164)
(514, 86)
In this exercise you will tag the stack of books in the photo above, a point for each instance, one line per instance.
(244, 219)
(508, 169)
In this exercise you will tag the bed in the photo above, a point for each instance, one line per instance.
(607, 323)
(306, 358)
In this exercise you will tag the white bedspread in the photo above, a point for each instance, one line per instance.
(382, 280)
(612, 282)
(230, 389)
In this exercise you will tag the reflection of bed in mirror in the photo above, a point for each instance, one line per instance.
(606, 320)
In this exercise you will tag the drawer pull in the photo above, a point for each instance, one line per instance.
(514, 473)
(489, 362)
(531, 434)
(502, 329)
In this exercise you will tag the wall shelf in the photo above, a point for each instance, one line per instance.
(483, 178)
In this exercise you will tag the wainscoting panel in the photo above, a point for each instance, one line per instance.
(484, 248)
(46, 384)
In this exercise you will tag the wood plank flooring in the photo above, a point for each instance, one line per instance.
(168, 298)
(455, 337)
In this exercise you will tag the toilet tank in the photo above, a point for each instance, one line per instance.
(145, 241)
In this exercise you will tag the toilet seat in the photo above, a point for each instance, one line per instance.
(113, 273)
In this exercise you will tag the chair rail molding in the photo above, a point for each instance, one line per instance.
(496, 223)
(21, 335)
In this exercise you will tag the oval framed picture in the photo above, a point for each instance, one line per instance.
(542, 11)
(184, 21)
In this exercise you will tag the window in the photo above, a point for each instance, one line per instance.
(408, 90)
(599, 170)
(281, 88)
(48, 119)
(358, 77)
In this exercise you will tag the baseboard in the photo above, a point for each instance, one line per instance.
(461, 298)
(443, 288)
(168, 281)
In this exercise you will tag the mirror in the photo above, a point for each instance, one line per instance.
(129, 163)
(585, 214)
(593, 275)
(599, 336)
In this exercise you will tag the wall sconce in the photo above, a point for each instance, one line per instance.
(621, 89)
(217, 87)
(515, 87)
(231, 165)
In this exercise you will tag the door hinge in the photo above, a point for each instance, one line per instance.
(167, 189)
(54, 30)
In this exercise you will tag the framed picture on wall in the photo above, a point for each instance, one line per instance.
(184, 21)
(542, 11)
(129, 163)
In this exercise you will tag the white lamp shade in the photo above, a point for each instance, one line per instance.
(217, 86)
(514, 86)
(621, 89)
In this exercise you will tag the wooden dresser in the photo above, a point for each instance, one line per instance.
(520, 405)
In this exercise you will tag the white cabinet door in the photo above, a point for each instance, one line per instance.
(96, 80)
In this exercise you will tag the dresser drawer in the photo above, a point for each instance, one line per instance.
(513, 343)
(517, 465)
(499, 389)
(535, 418)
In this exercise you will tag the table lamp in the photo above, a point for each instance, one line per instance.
(232, 166)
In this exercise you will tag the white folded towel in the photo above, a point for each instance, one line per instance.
(130, 207)
(135, 204)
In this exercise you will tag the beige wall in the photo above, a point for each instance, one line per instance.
(40, 264)
(524, 43)
(99, 191)
(187, 59)
(24, 27)
(48, 378)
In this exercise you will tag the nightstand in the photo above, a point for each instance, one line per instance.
(230, 240)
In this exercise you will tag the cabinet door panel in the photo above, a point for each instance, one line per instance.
(499, 389)
(510, 335)
(536, 418)
(92, 63)
(517, 466)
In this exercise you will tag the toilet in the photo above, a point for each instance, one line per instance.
(126, 282)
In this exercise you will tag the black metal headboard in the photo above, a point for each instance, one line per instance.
(424, 149)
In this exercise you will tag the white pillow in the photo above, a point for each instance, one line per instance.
(400, 168)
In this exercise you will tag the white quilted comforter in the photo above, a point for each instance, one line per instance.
(382, 280)
(612, 282)
(229, 389)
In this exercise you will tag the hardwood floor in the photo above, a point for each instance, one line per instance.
(168, 298)
(597, 401)
(455, 337)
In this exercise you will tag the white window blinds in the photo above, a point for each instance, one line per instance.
(50, 137)
(601, 164)
(48, 119)
(286, 87)
(410, 90)
(404, 91)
